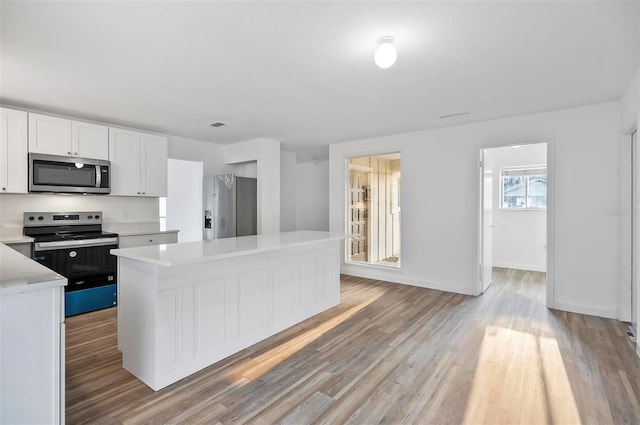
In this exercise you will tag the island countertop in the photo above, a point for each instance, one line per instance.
(217, 249)
(21, 274)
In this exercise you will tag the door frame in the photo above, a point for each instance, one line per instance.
(550, 254)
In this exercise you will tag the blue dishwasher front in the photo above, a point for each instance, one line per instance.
(85, 300)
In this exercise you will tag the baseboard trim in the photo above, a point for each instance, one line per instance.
(517, 266)
(396, 276)
(609, 313)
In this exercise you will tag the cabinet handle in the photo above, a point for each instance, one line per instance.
(144, 193)
(68, 153)
(138, 193)
(75, 153)
(150, 240)
(4, 188)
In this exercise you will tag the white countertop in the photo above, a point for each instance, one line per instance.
(135, 229)
(20, 274)
(201, 251)
(13, 235)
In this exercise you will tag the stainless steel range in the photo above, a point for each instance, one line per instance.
(74, 245)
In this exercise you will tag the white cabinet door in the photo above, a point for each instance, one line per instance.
(89, 140)
(13, 151)
(31, 357)
(124, 154)
(49, 135)
(154, 165)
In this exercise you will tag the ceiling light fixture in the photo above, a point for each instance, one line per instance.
(386, 54)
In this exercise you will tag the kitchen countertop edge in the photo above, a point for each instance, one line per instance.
(149, 254)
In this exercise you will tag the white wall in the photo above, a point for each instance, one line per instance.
(288, 191)
(211, 154)
(630, 105)
(266, 152)
(312, 195)
(519, 236)
(439, 228)
(246, 169)
(184, 199)
(115, 209)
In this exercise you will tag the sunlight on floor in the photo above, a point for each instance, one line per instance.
(258, 366)
(520, 377)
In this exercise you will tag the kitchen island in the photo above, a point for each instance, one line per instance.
(185, 306)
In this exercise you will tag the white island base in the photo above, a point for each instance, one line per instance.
(183, 307)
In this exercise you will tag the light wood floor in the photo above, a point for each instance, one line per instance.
(388, 354)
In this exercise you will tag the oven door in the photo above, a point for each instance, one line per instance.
(50, 173)
(80, 261)
(91, 272)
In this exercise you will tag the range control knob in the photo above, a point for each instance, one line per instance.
(89, 217)
(97, 217)
(31, 218)
(40, 218)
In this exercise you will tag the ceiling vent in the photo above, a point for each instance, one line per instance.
(217, 124)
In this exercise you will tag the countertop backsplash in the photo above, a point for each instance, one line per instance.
(115, 209)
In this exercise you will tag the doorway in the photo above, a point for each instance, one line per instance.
(373, 210)
(514, 205)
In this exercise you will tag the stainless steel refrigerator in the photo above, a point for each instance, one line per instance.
(230, 206)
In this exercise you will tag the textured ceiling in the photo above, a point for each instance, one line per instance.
(303, 72)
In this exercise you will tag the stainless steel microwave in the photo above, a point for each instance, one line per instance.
(65, 174)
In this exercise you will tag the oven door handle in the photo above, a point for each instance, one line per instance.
(85, 243)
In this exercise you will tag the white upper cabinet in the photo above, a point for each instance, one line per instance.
(138, 163)
(154, 165)
(50, 135)
(89, 140)
(60, 136)
(13, 151)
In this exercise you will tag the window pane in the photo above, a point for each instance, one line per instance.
(537, 194)
(514, 192)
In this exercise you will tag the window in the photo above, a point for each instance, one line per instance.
(524, 188)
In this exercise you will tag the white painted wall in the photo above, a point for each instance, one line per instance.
(519, 237)
(115, 209)
(630, 105)
(246, 169)
(288, 191)
(184, 199)
(312, 195)
(211, 154)
(439, 228)
(266, 152)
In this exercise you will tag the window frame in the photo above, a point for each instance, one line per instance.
(526, 172)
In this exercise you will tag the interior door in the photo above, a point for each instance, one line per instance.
(486, 222)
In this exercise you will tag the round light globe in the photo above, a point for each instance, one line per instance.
(386, 54)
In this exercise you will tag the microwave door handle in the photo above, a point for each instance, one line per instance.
(98, 176)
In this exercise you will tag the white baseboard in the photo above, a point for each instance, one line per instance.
(517, 266)
(609, 313)
(396, 276)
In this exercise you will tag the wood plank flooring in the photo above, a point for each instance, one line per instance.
(389, 354)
